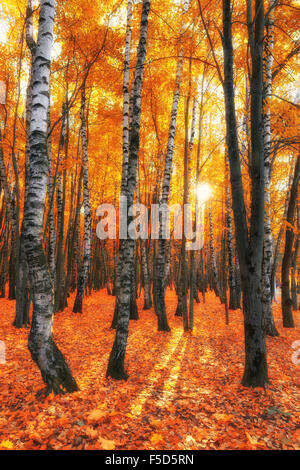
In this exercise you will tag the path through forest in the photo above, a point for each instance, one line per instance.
(183, 392)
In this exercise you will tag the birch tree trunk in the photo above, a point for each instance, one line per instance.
(194, 281)
(115, 368)
(51, 250)
(159, 291)
(73, 237)
(233, 301)
(213, 264)
(77, 308)
(193, 288)
(146, 278)
(286, 301)
(54, 369)
(126, 134)
(22, 294)
(12, 219)
(268, 241)
(279, 238)
(61, 182)
(182, 308)
(295, 268)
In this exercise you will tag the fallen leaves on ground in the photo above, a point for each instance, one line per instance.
(183, 392)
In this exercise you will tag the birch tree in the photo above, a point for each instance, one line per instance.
(22, 294)
(159, 291)
(233, 301)
(268, 241)
(115, 368)
(125, 148)
(286, 300)
(213, 263)
(54, 369)
(77, 308)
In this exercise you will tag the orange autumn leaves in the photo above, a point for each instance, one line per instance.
(183, 392)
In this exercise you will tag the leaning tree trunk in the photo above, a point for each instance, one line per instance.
(115, 368)
(286, 301)
(54, 369)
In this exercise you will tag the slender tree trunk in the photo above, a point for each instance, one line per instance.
(23, 297)
(126, 136)
(182, 308)
(233, 301)
(61, 187)
(51, 251)
(4, 258)
(268, 240)
(213, 264)
(286, 301)
(192, 290)
(73, 237)
(77, 308)
(159, 291)
(294, 273)
(115, 368)
(224, 284)
(146, 279)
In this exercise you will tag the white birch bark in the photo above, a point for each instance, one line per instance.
(82, 278)
(126, 132)
(268, 240)
(55, 371)
(159, 291)
(213, 264)
(115, 367)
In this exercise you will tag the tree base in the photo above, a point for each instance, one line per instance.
(114, 322)
(271, 331)
(54, 369)
(116, 371)
(254, 382)
(147, 305)
(256, 373)
(163, 322)
(287, 315)
(117, 375)
(77, 308)
(164, 328)
(178, 312)
(133, 309)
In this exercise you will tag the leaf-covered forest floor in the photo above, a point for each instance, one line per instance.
(183, 392)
